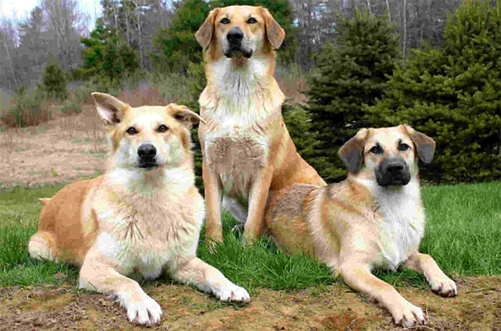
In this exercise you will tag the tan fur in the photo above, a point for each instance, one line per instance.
(139, 219)
(364, 222)
(246, 147)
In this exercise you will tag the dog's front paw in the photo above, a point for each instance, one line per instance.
(443, 286)
(145, 312)
(408, 315)
(232, 292)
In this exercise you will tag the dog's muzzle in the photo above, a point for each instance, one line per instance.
(235, 48)
(393, 172)
(147, 154)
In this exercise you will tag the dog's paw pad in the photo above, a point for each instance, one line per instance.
(146, 312)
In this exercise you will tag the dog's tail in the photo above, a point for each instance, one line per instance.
(44, 200)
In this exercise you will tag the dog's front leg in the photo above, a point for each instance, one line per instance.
(99, 276)
(439, 282)
(213, 199)
(257, 204)
(359, 277)
(208, 279)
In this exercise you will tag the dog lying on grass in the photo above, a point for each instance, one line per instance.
(142, 217)
(374, 218)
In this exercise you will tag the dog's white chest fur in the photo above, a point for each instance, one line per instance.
(402, 223)
(147, 229)
(234, 142)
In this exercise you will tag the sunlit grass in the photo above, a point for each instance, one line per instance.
(463, 234)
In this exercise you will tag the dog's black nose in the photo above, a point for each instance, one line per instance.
(147, 151)
(394, 168)
(393, 172)
(235, 36)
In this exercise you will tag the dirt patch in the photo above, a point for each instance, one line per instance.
(477, 307)
(62, 150)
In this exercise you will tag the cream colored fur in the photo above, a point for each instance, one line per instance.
(246, 147)
(141, 218)
(372, 219)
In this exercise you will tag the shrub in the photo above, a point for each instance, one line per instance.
(27, 109)
(453, 94)
(53, 81)
(71, 107)
(352, 73)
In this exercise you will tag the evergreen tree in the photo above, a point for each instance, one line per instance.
(53, 80)
(301, 130)
(347, 76)
(177, 44)
(108, 59)
(453, 94)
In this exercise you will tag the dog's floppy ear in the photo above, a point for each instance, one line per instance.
(204, 33)
(184, 115)
(351, 151)
(425, 145)
(274, 31)
(109, 108)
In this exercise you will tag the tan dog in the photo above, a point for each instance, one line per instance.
(246, 147)
(142, 217)
(374, 218)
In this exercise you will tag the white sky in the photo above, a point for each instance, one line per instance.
(22, 8)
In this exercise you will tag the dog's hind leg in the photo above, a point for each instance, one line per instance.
(42, 246)
(238, 211)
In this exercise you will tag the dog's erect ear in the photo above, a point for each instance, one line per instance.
(184, 115)
(204, 33)
(274, 31)
(425, 145)
(109, 108)
(351, 152)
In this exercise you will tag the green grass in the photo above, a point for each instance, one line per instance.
(19, 209)
(463, 234)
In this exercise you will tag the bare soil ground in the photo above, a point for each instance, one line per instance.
(477, 307)
(69, 148)
(61, 150)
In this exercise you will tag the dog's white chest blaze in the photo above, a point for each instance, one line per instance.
(235, 143)
(146, 229)
(143, 247)
(402, 223)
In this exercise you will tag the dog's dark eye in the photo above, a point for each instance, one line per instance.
(251, 20)
(162, 128)
(225, 21)
(376, 150)
(403, 147)
(132, 130)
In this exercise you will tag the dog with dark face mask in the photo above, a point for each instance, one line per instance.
(374, 218)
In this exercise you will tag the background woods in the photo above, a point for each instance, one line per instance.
(345, 64)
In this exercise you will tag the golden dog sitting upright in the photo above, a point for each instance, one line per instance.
(246, 147)
(141, 218)
(374, 218)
